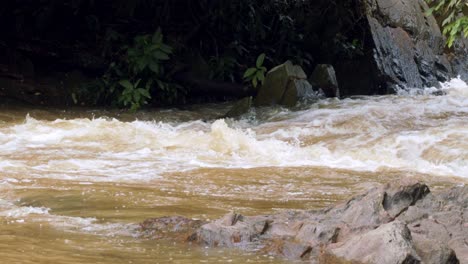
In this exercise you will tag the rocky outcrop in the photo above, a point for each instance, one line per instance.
(408, 47)
(390, 224)
(401, 47)
(286, 84)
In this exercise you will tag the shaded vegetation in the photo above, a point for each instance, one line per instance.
(156, 52)
(455, 18)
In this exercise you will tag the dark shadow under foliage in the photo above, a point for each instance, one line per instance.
(209, 44)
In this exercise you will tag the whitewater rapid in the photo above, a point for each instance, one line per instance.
(415, 132)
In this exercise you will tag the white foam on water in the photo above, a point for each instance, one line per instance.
(410, 132)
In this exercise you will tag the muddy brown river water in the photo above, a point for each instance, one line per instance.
(74, 184)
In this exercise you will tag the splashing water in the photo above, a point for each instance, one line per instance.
(91, 178)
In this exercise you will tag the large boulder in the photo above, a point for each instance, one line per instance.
(408, 46)
(324, 78)
(285, 84)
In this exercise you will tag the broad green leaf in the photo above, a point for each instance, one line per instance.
(161, 85)
(137, 83)
(250, 72)
(126, 84)
(154, 67)
(166, 48)
(136, 97)
(127, 91)
(430, 11)
(260, 76)
(260, 60)
(160, 55)
(144, 93)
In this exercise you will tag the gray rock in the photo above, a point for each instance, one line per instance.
(432, 251)
(285, 84)
(389, 244)
(395, 223)
(324, 78)
(442, 218)
(240, 107)
(408, 45)
(231, 230)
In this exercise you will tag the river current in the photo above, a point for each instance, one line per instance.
(75, 184)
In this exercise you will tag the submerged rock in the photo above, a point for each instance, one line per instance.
(402, 223)
(170, 227)
(285, 84)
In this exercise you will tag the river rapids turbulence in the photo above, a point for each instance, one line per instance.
(76, 183)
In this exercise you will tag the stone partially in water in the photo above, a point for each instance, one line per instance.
(324, 78)
(285, 84)
(390, 224)
(171, 227)
(240, 107)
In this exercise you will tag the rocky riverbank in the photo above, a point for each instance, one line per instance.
(400, 223)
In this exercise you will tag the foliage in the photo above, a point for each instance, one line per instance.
(256, 74)
(455, 23)
(141, 72)
(133, 95)
(145, 68)
(223, 68)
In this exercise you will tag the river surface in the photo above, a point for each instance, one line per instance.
(75, 184)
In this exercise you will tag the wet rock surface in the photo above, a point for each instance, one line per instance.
(403, 223)
(324, 78)
(239, 108)
(408, 45)
(286, 84)
(174, 227)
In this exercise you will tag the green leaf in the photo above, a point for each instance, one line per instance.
(136, 97)
(166, 48)
(127, 91)
(158, 36)
(144, 93)
(137, 83)
(160, 84)
(250, 72)
(255, 82)
(160, 55)
(126, 84)
(430, 11)
(260, 60)
(154, 67)
(260, 76)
